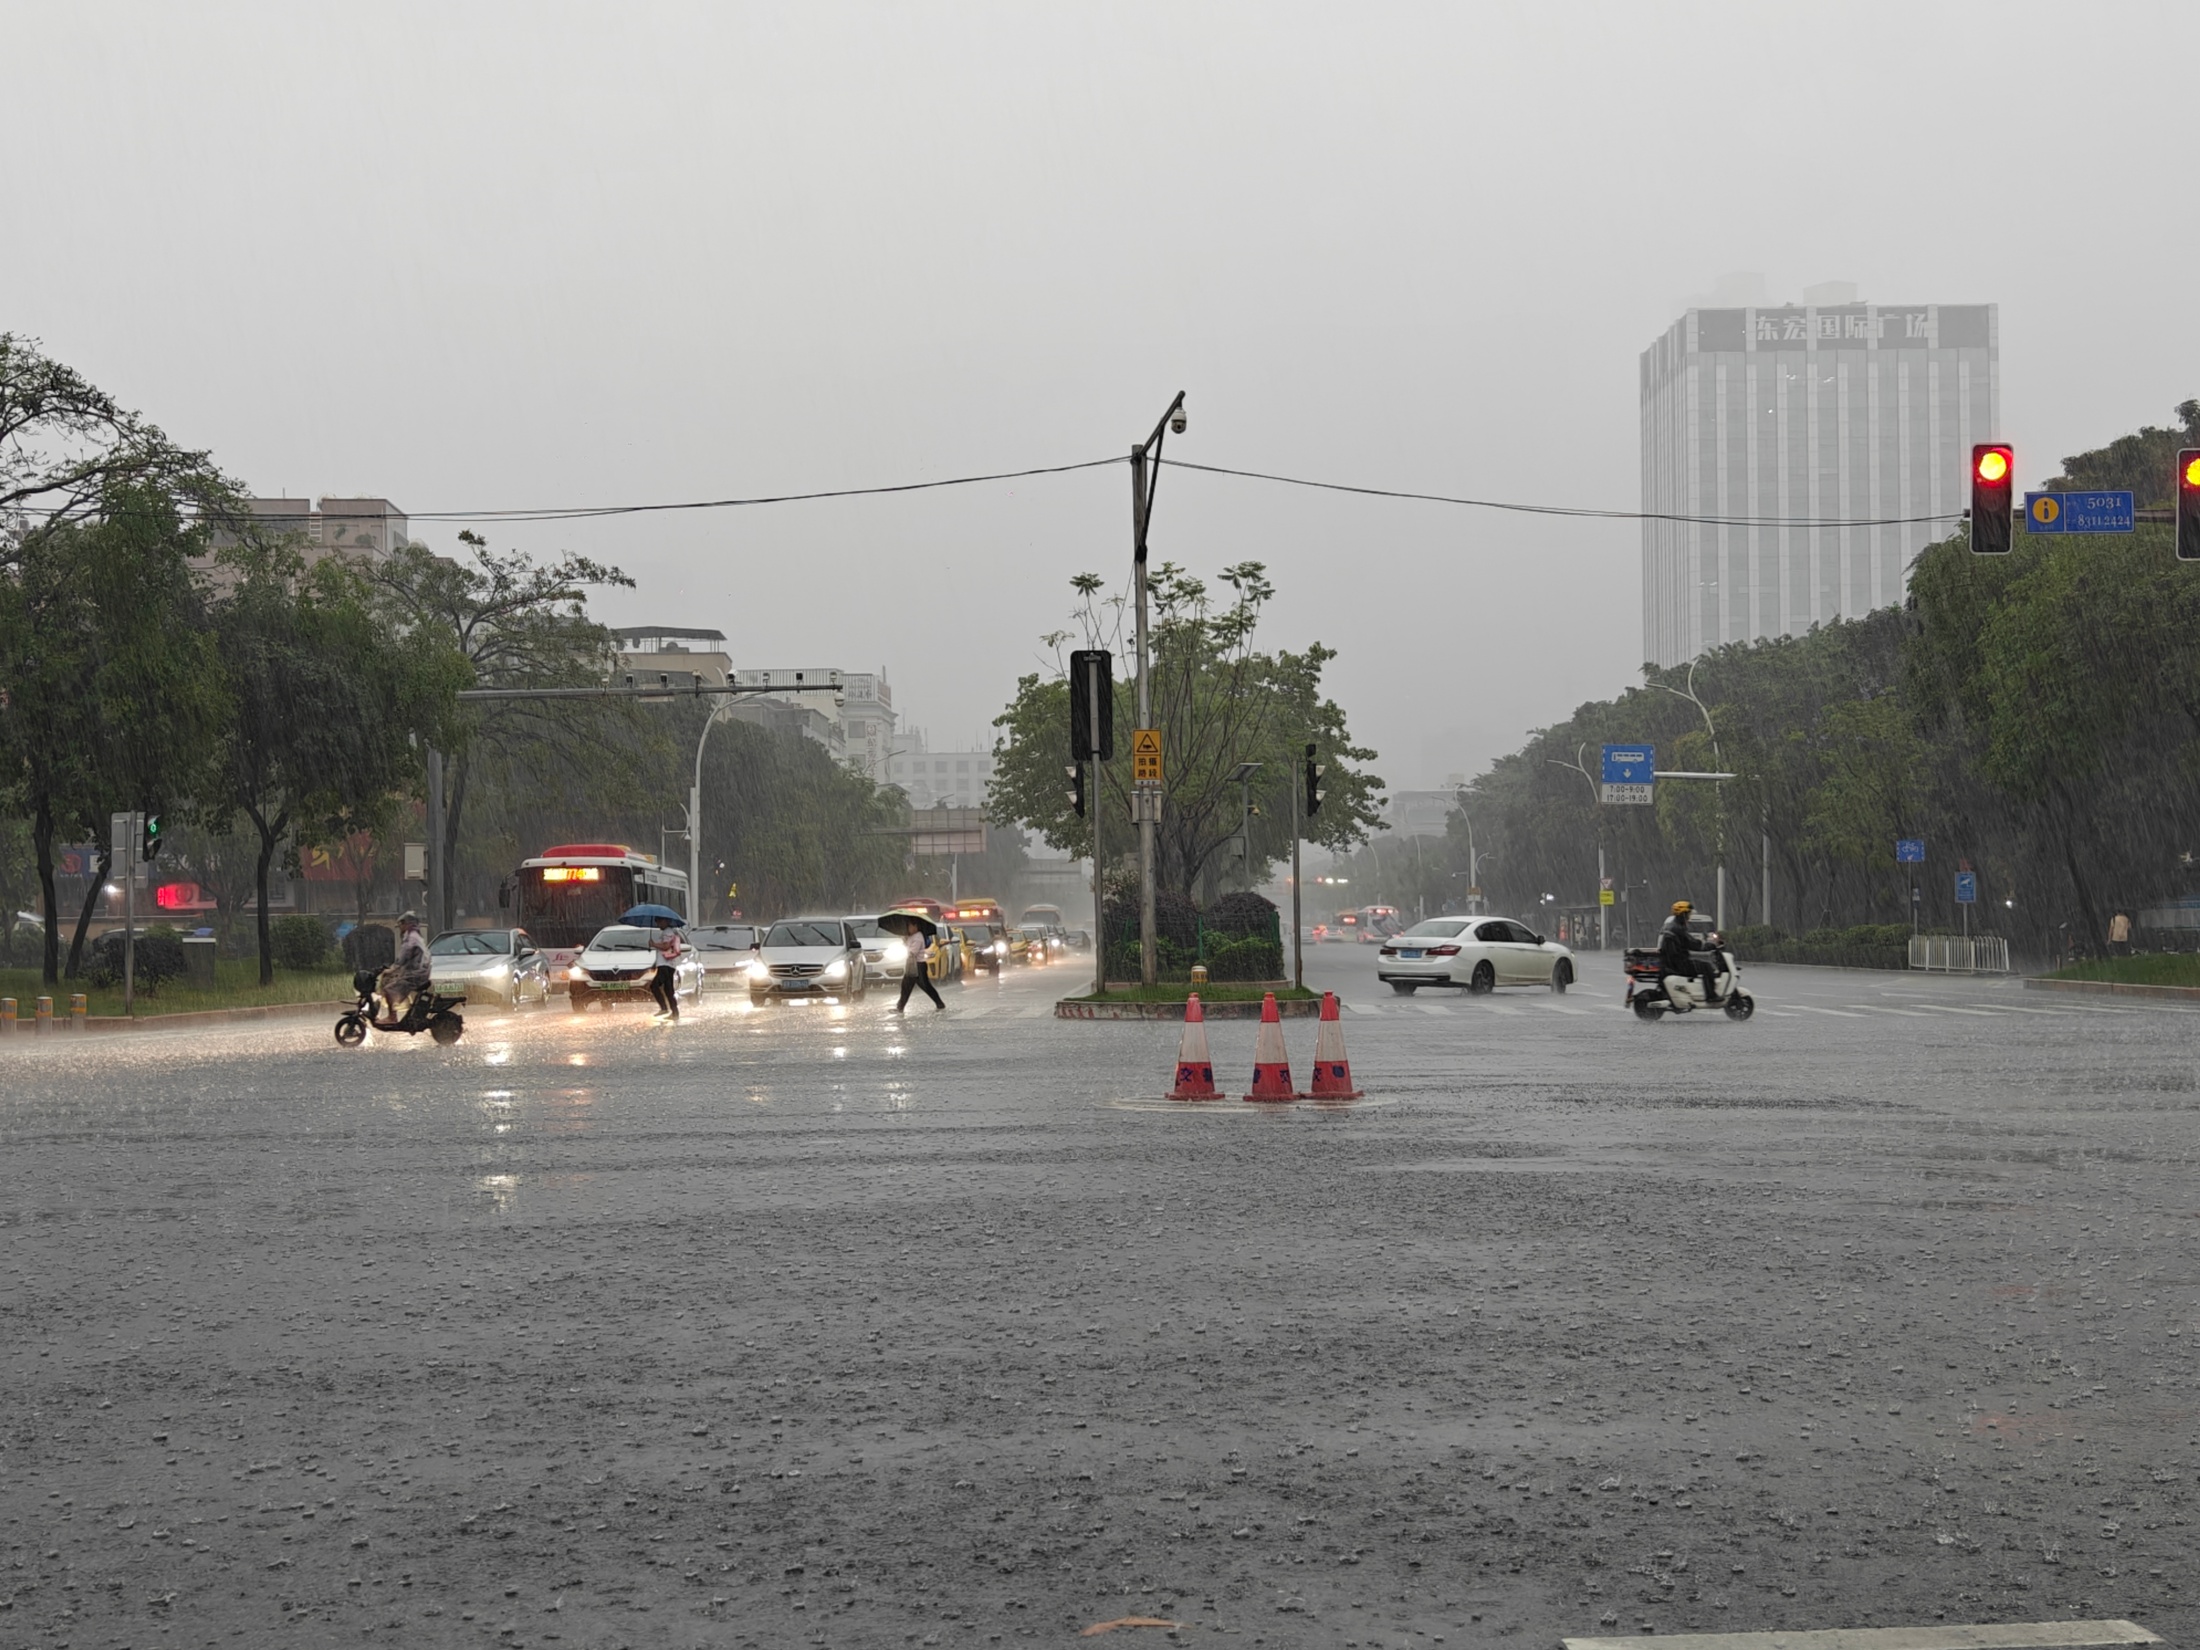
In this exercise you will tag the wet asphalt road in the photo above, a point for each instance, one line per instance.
(808, 1326)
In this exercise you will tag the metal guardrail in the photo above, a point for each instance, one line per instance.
(1952, 954)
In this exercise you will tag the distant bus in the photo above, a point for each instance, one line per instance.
(977, 910)
(567, 892)
(1042, 916)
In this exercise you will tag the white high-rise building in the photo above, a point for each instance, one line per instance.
(1780, 418)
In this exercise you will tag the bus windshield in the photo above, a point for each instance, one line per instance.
(567, 912)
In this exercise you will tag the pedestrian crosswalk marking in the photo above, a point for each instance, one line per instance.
(1883, 1008)
(1837, 1013)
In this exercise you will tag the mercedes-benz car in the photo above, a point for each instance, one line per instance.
(1473, 954)
(489, 965)
(616, 965)
(809, 957)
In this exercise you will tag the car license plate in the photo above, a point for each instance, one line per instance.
(1409, 953)
(615, 985)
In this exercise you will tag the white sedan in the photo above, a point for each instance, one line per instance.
(616, 965)
(1473, 953)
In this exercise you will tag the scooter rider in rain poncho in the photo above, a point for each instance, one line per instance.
(412, 973)
(1677, 952)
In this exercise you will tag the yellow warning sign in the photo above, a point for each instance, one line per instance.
(1146, 756)
(1604, 896)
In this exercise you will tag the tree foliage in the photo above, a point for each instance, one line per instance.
(1217, 701)
(2142, 463)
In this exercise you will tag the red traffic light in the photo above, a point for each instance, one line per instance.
(1992, 464)
(2191, 475)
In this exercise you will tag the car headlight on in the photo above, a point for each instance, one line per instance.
(1000, 948)
(836, 971)
(576, 972)
(896, 954)
(756, 969)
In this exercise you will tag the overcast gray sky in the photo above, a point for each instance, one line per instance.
(474, 255)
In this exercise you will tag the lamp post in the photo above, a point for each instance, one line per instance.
(1147, 798)
(695, 817)
(1474, 859)
(1580, 765)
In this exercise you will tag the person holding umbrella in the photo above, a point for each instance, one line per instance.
(916, 930)
(665, 946)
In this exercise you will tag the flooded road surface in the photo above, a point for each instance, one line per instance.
(814, 1325)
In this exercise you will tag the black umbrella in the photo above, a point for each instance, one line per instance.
(907, 922)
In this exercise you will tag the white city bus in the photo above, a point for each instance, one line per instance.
(568, 892)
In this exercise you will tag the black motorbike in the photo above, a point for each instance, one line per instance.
(429, 1011)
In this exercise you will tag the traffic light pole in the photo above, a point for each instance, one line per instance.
(1298, 929)
(1093, 810)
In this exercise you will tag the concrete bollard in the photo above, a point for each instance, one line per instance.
(80, 1010)
(44, 1022)
(7, 1016)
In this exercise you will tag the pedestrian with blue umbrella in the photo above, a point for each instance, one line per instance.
(666, 946)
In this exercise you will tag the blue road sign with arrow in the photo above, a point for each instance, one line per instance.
(1909, 850)
(1967, 888)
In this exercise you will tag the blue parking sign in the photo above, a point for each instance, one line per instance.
(1909, 850)
(1630, 764)
(1967, 888)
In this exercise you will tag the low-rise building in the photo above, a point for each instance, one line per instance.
(673, 654)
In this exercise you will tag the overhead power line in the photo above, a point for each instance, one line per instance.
(1582, 512)
(1569, 509)
(585, 512)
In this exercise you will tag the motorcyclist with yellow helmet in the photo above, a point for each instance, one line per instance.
(1677, 953)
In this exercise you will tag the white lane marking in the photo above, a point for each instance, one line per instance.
(1837, 1013)
(1561, 1008)
(1433, 1008)
(1948, 1008)
(2013, 1635)
(1503, 1008)
(1882, 1008)
(1037, 1011)
(1780, 1013)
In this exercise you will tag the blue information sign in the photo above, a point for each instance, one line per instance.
(2079, 513)
(1967, 888)
(1909, 850)
(1629, 764)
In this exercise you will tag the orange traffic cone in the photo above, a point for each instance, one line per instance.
(1271, 1065)
(1332, 1071)
(1195, 1072)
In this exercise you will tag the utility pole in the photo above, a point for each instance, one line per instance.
(1095, 807)
(1298, 931)
(1148, 801)
(438, 872)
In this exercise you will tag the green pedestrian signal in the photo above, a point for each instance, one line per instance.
(152, 838)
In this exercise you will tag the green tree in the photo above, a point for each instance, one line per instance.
(498, 619)
(2143, 463)
(1218, 701)
(67, 449)
(113, 693)
(325, 701)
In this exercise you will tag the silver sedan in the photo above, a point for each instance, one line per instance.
(490, 965)
(1473, 953)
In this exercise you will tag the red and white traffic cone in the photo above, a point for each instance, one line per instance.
(1195, 1072)
(1271, 1065)
(1332, 1071)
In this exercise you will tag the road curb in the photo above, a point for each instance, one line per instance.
(214, 1016)
(1071, 1009)
(2118, 988)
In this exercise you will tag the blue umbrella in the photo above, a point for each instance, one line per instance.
(663, 915)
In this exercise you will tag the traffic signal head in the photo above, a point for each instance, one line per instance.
(152, 838)
(1076, 774)
(1992, 491)
(1313, 784)
(2188, 504)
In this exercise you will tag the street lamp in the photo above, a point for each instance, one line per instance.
(695, 816)
(1147, 796)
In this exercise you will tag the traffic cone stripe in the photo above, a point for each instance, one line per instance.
(1195, 1072)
